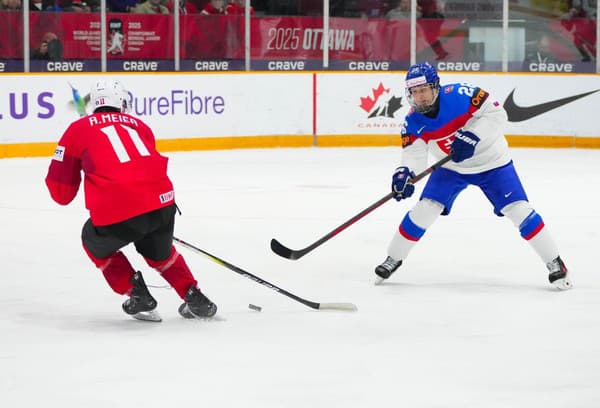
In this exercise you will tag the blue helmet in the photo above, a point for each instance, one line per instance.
(420, 75)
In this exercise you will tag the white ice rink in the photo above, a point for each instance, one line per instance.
(469, 320)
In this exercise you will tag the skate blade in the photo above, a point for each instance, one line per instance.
(563, 284)
(150, 316)
(186, 313)
(378, 281)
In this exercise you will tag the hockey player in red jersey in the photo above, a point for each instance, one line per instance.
(130, 199)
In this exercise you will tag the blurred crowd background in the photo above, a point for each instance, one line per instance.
(459, 35)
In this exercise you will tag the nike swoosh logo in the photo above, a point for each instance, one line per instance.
(507, 195)
(420, 130)
(518, 113)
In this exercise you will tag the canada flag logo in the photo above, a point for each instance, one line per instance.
(381, 103)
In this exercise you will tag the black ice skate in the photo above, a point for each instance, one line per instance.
(197, 305)
(558, 274)
(141, 305)
(386, 269)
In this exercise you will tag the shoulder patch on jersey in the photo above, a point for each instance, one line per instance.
(59, 153)
(406, 140)
(448, 89)
(479, 97)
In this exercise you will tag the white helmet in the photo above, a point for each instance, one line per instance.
(109, 93)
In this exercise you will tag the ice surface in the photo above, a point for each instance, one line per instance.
(468, 321)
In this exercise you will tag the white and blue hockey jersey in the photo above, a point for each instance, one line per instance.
(461, 107)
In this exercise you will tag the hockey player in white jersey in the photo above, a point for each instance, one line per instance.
(465, 122)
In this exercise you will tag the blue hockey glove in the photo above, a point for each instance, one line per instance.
(400, 183)
(463, 145)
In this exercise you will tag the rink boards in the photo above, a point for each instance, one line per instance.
(191, 111)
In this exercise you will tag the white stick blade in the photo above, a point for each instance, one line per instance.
(348, 307)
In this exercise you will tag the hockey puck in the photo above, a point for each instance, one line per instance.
(254, 307)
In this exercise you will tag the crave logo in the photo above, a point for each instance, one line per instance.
(380, 104)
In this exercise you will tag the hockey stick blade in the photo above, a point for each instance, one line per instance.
(294, 254)
(347, 307)
(286, 252)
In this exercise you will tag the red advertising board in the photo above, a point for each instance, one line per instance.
(283, 42)
(144, 36)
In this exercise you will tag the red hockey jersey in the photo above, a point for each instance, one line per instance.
(124, 174)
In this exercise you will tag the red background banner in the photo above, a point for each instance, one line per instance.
(150, 37)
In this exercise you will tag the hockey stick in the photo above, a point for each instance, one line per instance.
(319, 306)
(294, 254)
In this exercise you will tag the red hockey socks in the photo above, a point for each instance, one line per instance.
(116, 270)
(175, 271)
